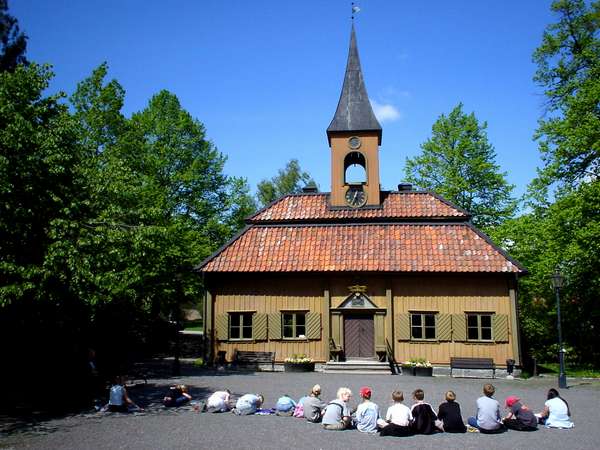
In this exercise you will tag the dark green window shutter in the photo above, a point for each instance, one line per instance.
(275, 326)
(459, 327)
(259, 327)
(403, 327)
(443, 325)
(222, 327)
(313, 325)
(500, 327)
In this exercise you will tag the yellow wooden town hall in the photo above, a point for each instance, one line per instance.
(362, 272)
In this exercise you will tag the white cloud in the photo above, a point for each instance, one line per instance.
(385, 112)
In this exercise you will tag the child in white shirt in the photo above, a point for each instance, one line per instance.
(398, 418)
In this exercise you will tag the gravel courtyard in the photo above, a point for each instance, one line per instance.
(159, 428)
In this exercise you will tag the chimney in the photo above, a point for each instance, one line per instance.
(405, 187)
(310, 189)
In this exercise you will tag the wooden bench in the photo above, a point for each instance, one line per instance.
(253, 359)
(473, 363)
(335, 350)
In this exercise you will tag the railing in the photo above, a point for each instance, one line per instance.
(390, 357)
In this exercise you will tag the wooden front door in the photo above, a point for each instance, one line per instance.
(359, 336)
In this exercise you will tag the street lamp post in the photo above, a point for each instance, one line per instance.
(557, 284)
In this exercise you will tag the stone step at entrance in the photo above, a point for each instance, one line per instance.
(358, 367)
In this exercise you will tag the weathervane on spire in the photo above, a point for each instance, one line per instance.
(355, 9)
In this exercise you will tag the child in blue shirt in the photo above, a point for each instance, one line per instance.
(285, 406)
(367, 413)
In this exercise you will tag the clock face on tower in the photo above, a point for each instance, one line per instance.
(354, 142)
(356, 196)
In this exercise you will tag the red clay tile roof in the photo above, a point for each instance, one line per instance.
(396, 205)
(390, 247)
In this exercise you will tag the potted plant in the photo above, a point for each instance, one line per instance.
(299, 363)
(417, 367)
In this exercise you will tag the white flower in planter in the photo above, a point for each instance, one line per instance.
(298, 359)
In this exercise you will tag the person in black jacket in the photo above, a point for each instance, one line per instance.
(424, 418)
(449, 414)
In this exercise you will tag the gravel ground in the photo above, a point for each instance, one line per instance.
(159, 428)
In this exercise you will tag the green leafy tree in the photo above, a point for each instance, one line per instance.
(38, 177)
(289, 180)
(161, 202)
(97, 108)
(569, 71)
(564, 235)
(13, 43)
(458, 163)
(40, 193)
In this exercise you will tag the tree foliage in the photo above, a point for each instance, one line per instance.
(159, 200)
(566, 235)
(104, 218)
(39, 157)
(458, 163)
(563, 230)
(289, 180)
(568, 62)
(13, 42)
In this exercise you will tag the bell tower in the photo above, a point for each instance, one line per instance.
(354, 136)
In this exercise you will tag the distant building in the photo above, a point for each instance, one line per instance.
(360, 269)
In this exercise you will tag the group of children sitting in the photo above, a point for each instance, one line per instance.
(400, 420)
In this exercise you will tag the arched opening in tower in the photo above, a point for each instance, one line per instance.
(355, 168)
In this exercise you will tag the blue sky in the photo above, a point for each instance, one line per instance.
(265, 76)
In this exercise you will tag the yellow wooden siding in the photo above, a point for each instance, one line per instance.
(452, 295)
(337, 330)
(272, 297)
(447, 295)
(379, 324)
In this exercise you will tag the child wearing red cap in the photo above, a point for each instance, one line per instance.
(520, 417)
(367, 413)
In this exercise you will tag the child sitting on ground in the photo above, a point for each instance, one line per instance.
(520, 417)
(313, 406)
(285, 406)
(177, 396)
(424, 418)
(450, 416)
(248, 404)
(218, 402)
(337, 414)
(367, 413)
(118, 400)
(488, 412)
(398, 418)
(556, 413)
